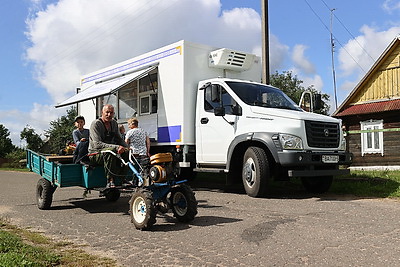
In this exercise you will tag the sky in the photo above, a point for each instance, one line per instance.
(47, 45)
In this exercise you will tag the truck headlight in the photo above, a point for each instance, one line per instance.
(289, 141)
(343, 144)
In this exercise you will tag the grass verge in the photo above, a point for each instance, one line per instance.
(381, 184)
(20, 247)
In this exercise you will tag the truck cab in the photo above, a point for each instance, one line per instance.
(255, 133)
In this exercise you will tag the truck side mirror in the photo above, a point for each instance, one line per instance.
(219, 111)
(236, 110)
(317, 101)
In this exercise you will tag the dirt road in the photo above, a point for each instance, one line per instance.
(229, 230)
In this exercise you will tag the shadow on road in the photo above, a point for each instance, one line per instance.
(343, 189)
(95, 205)
(172, 224)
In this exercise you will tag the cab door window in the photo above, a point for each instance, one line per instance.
(216, 96)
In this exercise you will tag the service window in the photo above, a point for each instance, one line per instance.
(104, 100)
(128, 101)
(371, 137)
(138, 97)
(148, 87)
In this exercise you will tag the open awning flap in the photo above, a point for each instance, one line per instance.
(105, 88)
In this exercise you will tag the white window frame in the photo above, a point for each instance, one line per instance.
(371, 142)
(142, 101)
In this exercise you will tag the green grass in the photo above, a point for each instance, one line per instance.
(20, 247)
(381, 184)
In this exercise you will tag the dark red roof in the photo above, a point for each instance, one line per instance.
(370, 108)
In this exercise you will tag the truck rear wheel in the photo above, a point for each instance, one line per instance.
(44, 194)
(255, 172)
(317, 184)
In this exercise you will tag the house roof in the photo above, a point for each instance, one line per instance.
(347, 102)
(367, 108)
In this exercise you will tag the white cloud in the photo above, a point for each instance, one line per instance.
(348, 86)
(74, 37)
(301, 61)
(242, 19)
(278, 52)
(38, 118)
(391, 5)
(359, 54)
(314, 80)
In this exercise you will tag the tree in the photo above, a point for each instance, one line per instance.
(60, 131)
(293, 87)
(33, 140)
(6, 145)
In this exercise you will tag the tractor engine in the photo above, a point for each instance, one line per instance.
(161, 167)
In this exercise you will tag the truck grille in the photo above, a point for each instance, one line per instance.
(322, 134)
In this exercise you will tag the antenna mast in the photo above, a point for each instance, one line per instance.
(333, 61)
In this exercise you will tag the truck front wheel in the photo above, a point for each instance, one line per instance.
(255, 172)
(317, 185)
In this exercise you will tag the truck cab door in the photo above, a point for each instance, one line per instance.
(216, 121)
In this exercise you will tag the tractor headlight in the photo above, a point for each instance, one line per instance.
(289, 141)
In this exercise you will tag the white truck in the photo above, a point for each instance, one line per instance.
(207, 107)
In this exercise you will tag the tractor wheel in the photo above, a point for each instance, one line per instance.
(183, 203)
(142, 209)
(44, 194)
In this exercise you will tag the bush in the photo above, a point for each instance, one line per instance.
(15, 158)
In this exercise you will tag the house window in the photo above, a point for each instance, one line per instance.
(371, 137)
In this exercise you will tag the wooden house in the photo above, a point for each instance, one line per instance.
(371, 113)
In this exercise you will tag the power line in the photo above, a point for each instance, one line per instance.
(327, 28)
(353, 37)
(333, 60)
(348, 31)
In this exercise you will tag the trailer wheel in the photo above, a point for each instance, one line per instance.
(44, 194)
(142, 209)
(183, 203)
(255, 172)
(317, 185)
(112, 194)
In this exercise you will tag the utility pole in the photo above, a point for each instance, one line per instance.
(265, 41)
(333, 60)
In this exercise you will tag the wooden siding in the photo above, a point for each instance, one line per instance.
(391, 140)
(383, 83)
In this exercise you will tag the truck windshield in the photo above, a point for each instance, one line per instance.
(262, 95)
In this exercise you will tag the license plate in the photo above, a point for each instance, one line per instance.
(330, 158)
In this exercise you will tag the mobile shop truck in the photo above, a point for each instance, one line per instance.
(207, 107)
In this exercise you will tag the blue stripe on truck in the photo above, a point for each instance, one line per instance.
(169, 134)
